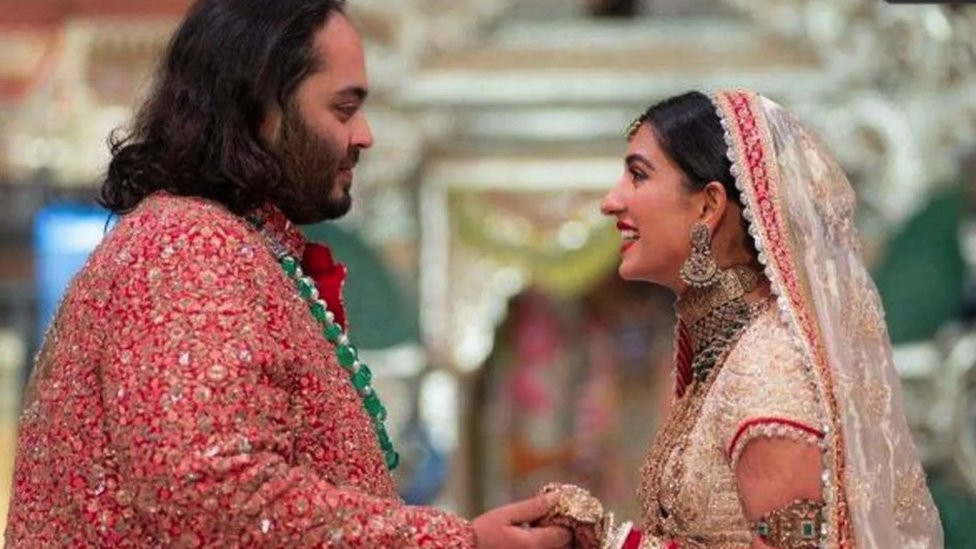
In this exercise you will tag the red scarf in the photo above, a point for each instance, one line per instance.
(329, 276)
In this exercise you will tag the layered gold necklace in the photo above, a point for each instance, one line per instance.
(715, 315)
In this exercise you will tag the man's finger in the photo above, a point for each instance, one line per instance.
(550, 537)
(529, 510)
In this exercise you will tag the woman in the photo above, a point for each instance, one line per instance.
(787, 428)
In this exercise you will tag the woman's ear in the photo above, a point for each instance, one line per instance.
(714, 205)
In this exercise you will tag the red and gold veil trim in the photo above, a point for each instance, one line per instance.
(756, 172)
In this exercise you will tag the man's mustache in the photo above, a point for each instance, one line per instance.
(351, 160)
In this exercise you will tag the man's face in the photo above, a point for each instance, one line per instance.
(323, 128)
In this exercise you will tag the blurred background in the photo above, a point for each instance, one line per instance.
(483, 283)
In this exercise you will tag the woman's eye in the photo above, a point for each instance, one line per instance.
(637, 175)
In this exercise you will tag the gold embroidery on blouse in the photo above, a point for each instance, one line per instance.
(662, 476)
(688, 488)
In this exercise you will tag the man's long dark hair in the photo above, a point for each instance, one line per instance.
(198, 133)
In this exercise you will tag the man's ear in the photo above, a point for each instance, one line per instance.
(271, 125)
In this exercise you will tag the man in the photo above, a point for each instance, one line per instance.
(188, 393)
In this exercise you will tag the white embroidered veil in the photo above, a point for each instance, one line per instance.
(800, 207)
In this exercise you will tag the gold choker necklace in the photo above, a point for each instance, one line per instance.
(733, 283)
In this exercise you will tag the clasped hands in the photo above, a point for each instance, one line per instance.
(560, 516)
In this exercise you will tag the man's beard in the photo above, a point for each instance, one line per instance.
(311, 191)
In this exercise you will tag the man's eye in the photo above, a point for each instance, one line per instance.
(347, 110)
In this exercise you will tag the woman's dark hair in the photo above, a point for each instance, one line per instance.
(688, 130)
(690, 133)
(198, 133)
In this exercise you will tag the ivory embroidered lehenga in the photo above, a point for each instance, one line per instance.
(810, 362)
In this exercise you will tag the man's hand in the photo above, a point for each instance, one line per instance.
(500, 528)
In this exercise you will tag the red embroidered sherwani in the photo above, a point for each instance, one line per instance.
(185, 396)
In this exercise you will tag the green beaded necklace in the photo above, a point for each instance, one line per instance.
(359, 374)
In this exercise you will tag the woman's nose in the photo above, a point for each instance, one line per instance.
(610, 204)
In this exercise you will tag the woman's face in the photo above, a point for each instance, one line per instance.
(654, 213)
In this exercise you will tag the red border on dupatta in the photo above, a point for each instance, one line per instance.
(751, 142)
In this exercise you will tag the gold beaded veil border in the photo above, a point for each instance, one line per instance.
(800, 208)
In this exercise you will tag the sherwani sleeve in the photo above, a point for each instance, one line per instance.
(198, 412)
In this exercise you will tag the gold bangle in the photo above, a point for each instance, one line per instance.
(796, 526)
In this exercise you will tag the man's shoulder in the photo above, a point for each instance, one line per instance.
(168, 228)
(188, 211)
(162, 216)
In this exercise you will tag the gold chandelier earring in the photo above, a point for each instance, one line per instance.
(700, 269)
